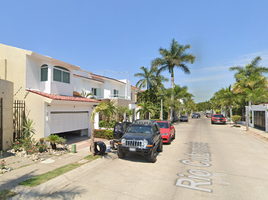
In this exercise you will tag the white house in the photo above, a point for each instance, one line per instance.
(103, 88)
(258, 116)
(47, 85)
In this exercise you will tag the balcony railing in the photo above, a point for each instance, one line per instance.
(119, 96)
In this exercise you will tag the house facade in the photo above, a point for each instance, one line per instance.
(257, 116)
(121, 92)
(47, 86)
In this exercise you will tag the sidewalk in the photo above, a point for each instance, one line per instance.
(10, 180)
(254, 131)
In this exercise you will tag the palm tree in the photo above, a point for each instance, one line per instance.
(147, 77)
(85, 94)
(146, 107)
(158, 82)
(129, 113)
(174, 57)
(99, 108)
(121, 110)
(226, 98)
(250, 68)
(249, 78)
(109, 112)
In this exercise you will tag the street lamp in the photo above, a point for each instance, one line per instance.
(161, 106)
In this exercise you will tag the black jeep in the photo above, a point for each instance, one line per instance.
(142, 137)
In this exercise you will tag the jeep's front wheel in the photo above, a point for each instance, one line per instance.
(152, 155)
(160, 146)
(120, 153)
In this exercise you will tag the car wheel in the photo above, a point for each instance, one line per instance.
(174, 135)
(169, 140)
(120, 153)
(152, 156)
(212, 122)
(160, 146)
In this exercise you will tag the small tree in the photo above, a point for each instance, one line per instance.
(121, 110)
(236, 118)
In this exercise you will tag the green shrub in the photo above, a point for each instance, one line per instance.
(106, 134)
(103, 124)
(112, 124)
(236, 118)
(218, 111)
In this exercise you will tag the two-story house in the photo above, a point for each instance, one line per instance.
(121, 92)
(47, 86)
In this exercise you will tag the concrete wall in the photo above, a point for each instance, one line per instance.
(13, 68)
(35, 110)
(6, 93)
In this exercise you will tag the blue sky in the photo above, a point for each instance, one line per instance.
(124, 35)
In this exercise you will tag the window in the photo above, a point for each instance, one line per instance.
(115, 93)
(61, 74)
(96, 91)
(44, 73)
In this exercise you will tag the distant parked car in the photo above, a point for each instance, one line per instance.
(218, 118)
(167, 131)
(183, 118)
(195, 115)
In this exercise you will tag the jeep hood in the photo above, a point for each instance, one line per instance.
(137, 136)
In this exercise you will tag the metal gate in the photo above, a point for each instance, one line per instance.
(259, 120)
(18, 118)
(1, 125)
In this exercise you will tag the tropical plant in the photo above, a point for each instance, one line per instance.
(249, 69)
(226, 98)
(129, 114)
(102, 123)
(86, 94)
(249, 79)
(28, 129)
(147, 77)
(146, 107)
(108, 112)
(121, 110)
(174, 57)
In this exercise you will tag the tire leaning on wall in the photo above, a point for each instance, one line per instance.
(99, 148)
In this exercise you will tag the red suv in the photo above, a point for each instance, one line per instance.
(218, 118)
(167, 131)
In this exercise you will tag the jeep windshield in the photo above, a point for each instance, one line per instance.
(139, 129)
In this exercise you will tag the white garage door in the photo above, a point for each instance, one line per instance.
(69, 121)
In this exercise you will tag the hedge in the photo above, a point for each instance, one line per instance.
(106, 134)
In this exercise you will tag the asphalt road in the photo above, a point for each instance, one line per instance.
(204, 162)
